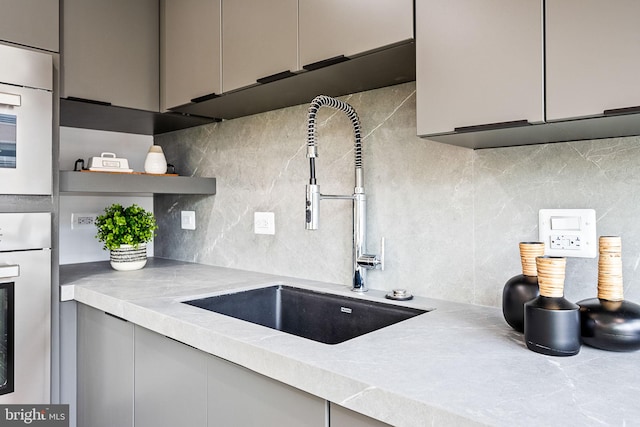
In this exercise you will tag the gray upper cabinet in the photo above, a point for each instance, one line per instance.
(478, 63)
(32, 23)
(266, 45)
(332, 28)
(593, 56)
(496, 73)
(110, 52)
(190, 50)
(259, 39)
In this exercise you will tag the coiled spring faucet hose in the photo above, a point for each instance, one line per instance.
(312, 152)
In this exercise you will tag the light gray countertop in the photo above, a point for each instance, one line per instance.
(457, 365)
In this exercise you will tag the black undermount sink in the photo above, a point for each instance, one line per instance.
(327, 318)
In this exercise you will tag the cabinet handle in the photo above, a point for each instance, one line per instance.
(11, 99)
(325, 63)
(276, 77)
(625, 110)
(116, 317)
(7, 271)
(180, 342)
(205, 98)
(89, 101)
(492, 126)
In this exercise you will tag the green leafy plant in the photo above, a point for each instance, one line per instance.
(125, 226)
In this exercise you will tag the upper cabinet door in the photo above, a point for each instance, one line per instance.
(110, 52)
(479, 62)
(31, 23)
(259, 39)
(593, 57)
(330, 28)
(190, 47)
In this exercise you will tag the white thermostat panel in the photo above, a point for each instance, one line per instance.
(568, 232)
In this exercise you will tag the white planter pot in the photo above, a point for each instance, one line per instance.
(127, 258)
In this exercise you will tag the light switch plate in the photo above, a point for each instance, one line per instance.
(188, 220)
(264, 223)
(568, 232)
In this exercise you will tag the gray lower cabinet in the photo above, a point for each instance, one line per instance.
(177, 385)
(239, 397)
(343, 417)
(105, 369)
(170, 382)
(131, 376)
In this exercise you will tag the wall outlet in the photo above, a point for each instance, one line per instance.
(188, 220)
(264, 223)
(81, 221)
(568, 232)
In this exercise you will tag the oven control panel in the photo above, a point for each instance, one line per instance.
(21, 231)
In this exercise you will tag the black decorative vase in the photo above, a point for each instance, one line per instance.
(608, 325)
(609, 322)
(553, 326)
(552, 323)
(522, 288)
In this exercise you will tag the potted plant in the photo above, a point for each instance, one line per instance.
(125, 232)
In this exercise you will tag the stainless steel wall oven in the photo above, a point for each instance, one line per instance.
(25, 308)
(7, 319)
(26, 121)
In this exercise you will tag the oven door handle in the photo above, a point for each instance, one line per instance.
(10, 99)
(7, 271)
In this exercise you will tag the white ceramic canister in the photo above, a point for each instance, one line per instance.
(155, 161)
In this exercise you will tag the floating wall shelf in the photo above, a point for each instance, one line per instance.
(124, 183)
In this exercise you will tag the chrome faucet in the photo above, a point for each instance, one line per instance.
(360, 259)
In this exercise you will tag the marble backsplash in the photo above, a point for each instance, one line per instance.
(452, 217)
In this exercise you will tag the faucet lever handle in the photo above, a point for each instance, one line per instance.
(371, 262)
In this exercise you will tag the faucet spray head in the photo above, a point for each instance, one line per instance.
(312, 207)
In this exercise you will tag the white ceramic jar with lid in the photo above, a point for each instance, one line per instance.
(155, 162)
